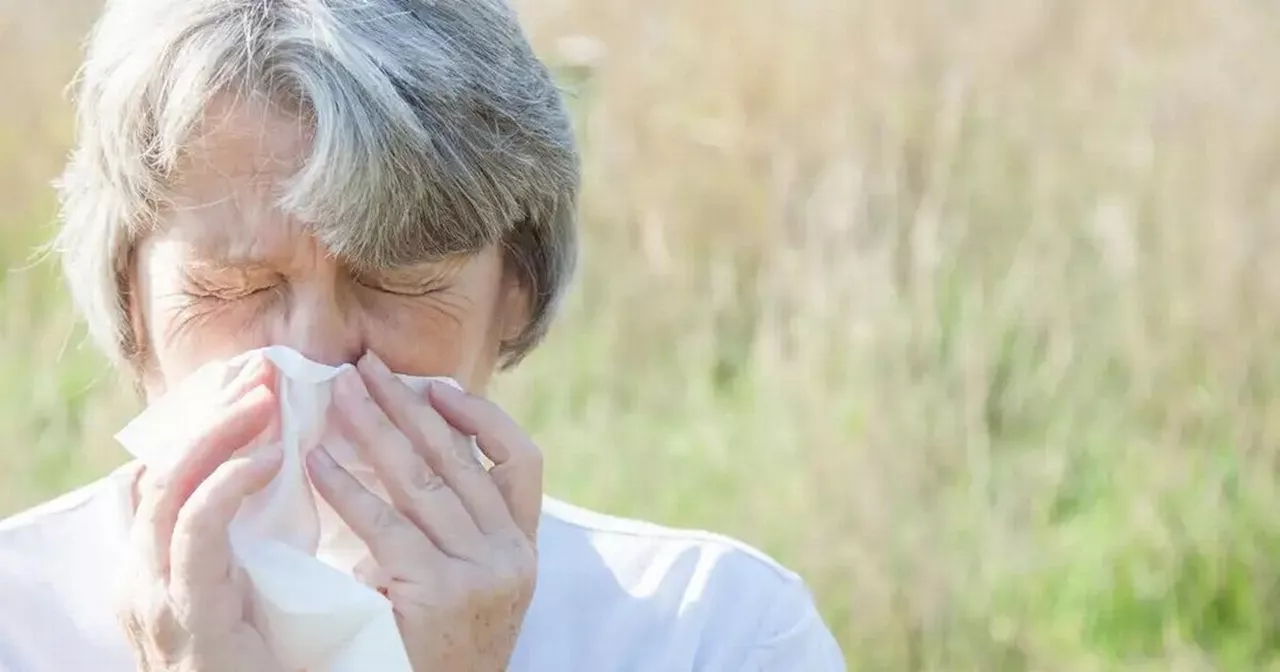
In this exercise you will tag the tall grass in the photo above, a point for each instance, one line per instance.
(963, 310)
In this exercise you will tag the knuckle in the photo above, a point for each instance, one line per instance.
(516, 569)
(135, 634)
(368, 408)
(130, 622)
(195, 521)
(387, 520)
(423, 480)
(515, 580)
(525, 462)
(425, 497)
(152, 628)
(527, 560)
(381, 423)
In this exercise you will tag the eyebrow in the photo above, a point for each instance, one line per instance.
(224, 262)
(435, 268)
(214, 250)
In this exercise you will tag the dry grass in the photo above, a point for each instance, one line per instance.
(964, 311)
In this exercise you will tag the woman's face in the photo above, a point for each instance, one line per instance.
(229, 272)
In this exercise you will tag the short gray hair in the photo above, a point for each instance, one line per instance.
(435, 130)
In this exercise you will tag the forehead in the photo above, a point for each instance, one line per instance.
(227, 192)
(223, 197)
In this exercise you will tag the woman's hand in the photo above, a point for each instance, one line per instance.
(456, 545)
(185, 605)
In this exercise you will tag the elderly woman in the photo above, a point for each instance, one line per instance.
(388, 183)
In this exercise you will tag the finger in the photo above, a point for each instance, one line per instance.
(517, 470)
(252, 371)
(226, 383)
(231, 429)
(201, 546)
(196, 464)
(373, 575)
(235, 380)
(444, 449)
(415, 487)
(392, 537)
(150, 624)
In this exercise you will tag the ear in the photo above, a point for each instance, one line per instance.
(514, 302)
(141, 359)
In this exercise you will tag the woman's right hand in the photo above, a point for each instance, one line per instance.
(185, 606)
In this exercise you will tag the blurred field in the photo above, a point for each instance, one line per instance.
(964, 310)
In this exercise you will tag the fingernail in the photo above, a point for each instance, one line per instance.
(444, 388)
(247, 368)
(374, 364)
(320, 458)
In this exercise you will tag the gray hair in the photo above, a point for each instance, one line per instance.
(435, 131)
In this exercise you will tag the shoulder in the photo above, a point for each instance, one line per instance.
(57, 565)
(81, 519)
(694, 594)
(60, 509)
(681, 551)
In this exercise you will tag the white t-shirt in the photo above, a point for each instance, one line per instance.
(612, 594)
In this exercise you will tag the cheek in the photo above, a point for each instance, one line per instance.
(188, 333)
(444, 334)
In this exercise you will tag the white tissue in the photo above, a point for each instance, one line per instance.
(298, 555)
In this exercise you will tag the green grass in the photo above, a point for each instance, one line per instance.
(967, 314)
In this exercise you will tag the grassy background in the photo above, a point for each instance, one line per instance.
(964, 310)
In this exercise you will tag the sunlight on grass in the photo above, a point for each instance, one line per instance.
(965, 313)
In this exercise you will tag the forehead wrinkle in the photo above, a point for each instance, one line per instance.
(242, 225)
(224, 203)
(275, 141)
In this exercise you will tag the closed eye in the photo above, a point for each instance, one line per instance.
(230, 294)
(400, 291)
(410, 288)
(230, 284)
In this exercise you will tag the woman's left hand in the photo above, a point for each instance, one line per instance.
(457, 543)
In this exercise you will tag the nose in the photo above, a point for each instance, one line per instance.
(320, 324)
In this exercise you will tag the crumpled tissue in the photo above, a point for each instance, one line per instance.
(301, 560)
